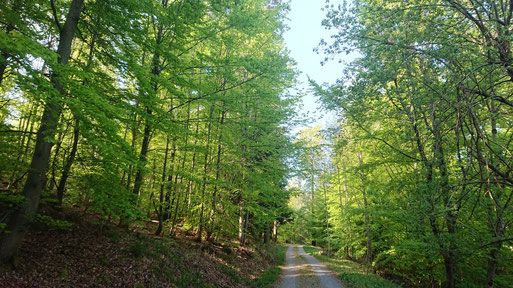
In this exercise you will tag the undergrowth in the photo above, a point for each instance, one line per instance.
(353, 274)
(270, 276)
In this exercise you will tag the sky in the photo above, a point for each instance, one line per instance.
(305, 33)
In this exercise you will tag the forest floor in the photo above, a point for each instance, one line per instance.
(91, 253)
(351, 273)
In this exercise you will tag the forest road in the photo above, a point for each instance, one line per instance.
(302, 270)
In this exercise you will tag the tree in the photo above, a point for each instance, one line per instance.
(417, 97)
(35, 178)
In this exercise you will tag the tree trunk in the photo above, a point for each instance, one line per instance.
(155, 71)
(17, 224)
(275, 231)
(445, 191)
(161, 195)
(327, 219)
(193, 163)
(22, 148)
(498, 226)
(142, 156)
(341, 205)
(242, 232)
(57, 150)
(368, 257)
(67, 167)
(200, 228)
(267, 233)
(218, 169)
(135, 130)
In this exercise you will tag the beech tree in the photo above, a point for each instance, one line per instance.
(424, 123)
(168, 110)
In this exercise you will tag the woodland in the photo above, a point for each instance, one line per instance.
(415, 178)
(184, 114)
(163, 110)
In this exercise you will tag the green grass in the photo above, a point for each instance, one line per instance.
(232, 274)
(353, 274)
(267, 279)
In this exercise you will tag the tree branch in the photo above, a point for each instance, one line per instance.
(54, 12)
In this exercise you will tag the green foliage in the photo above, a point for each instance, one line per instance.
(139, 248)
(351, 273)
(48, 223)
(421, 139)
(270, 276)
(10, 200)
(232, 274)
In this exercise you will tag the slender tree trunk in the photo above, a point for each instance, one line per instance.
(498, 226)
(57, 150)
(67, 166)
(312, 182)
(193, 163)
(341, 205)
(246, 224)
(167, 198)
(327, 218)
(179, 196)
(242, 232)
(135, 130)
(218, 169)
(450, 218)
(267, 233)
(147, 126)
(142, 156)
(22, 148)
(275, 231)
(178, 209)
(365, 207)
(17, 224)
(27, 122)
(205, 165)
(162, 185)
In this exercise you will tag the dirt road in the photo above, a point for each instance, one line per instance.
(303, 270)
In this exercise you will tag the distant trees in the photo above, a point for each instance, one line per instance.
(172, 110)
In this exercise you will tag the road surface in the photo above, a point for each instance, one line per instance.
(302, 270)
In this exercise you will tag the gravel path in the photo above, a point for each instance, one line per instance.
(289, 274)
(303, 270)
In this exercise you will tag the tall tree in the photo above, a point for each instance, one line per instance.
(17, 224)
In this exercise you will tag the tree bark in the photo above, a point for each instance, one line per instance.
(327, 218)
(498, 226)
(204, 186)
(368, 253)
(155, 71)
(242, 232)
(267, 233)
(275, 231)
(161, 195)
(218, 169)
(67, 167)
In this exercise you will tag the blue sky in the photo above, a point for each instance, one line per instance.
(304, 35)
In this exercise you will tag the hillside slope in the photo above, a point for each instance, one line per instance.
(92, 254)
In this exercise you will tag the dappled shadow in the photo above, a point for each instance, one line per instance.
(325, 276)
(303, 270)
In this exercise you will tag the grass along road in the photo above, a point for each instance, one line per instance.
(352, 274)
